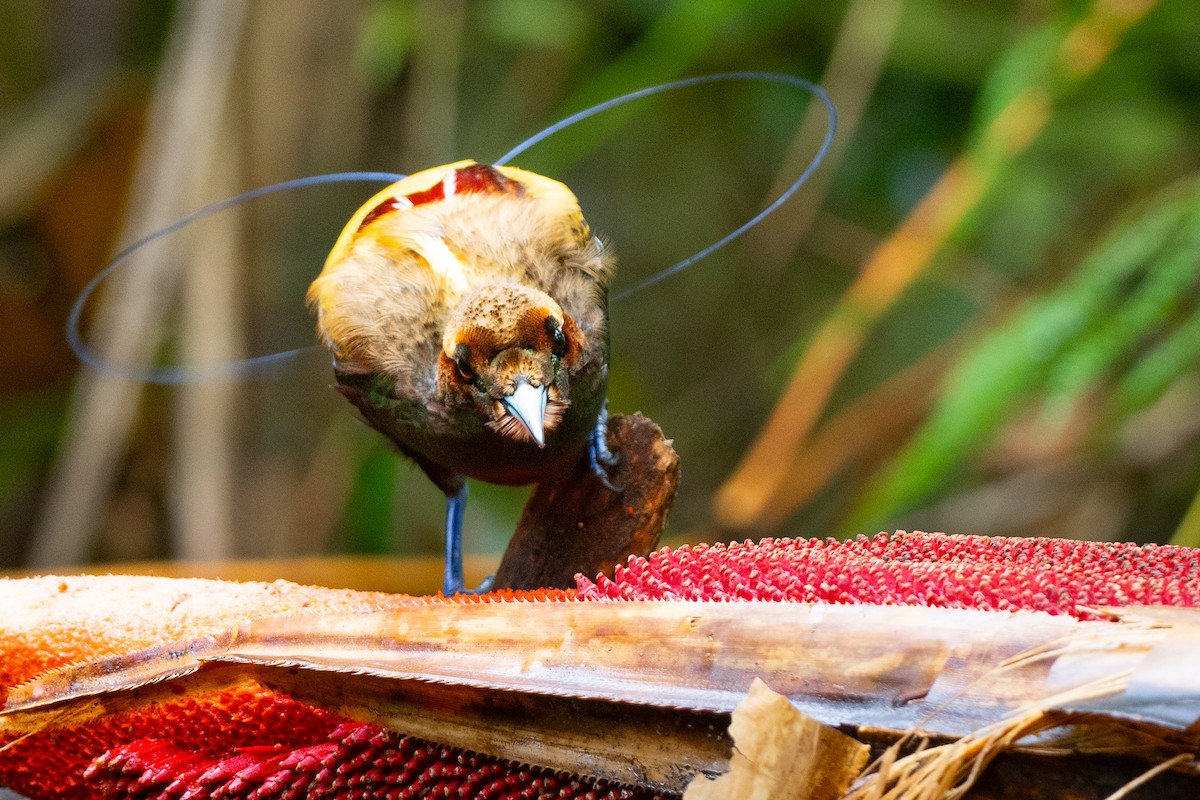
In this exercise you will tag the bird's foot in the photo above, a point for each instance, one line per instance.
(599, 456)
(451, 588)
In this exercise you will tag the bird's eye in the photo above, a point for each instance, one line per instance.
(558, 339)
(462, 361)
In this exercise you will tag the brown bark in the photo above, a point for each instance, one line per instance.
(574, 524)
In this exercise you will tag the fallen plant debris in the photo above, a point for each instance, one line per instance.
(781, 754)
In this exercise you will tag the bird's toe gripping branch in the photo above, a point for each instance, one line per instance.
(599, 456)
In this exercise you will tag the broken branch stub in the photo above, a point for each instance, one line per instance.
(574, 524)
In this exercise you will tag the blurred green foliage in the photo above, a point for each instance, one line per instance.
(1062, 316)
(1110, 322)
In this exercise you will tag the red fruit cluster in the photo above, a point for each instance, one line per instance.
(354, 761)
(64, 763)
(1057, 576)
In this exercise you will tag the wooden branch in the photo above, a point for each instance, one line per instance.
(574, 523)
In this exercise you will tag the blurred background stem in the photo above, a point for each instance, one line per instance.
(745, 497)
(182, 119)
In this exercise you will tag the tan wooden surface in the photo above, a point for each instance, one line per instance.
(418, 575)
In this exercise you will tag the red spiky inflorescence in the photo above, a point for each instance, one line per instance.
(354, 760)
(252, 744)
(248, 721)
(1056, 576)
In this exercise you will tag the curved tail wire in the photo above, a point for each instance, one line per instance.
(177, 374)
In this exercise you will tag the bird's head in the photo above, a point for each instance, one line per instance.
(507, 351)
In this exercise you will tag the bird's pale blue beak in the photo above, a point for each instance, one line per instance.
(528, 404)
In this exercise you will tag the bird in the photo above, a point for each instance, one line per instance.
(465, 308)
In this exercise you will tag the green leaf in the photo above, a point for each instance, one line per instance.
(1027, 63)
(1150, 305)
(995, 378)
(1154, 373)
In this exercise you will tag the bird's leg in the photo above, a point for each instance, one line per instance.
(452, 580)
(600, 457)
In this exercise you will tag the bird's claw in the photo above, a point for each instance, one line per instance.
(484, 587)
(599, 456)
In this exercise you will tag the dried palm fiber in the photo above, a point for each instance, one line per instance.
(251, 742)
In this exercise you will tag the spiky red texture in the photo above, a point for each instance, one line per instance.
(354, 760)
(210, 728)
(1056, 576)
(253, 744)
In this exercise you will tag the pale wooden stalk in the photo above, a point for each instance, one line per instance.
(190, 90)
